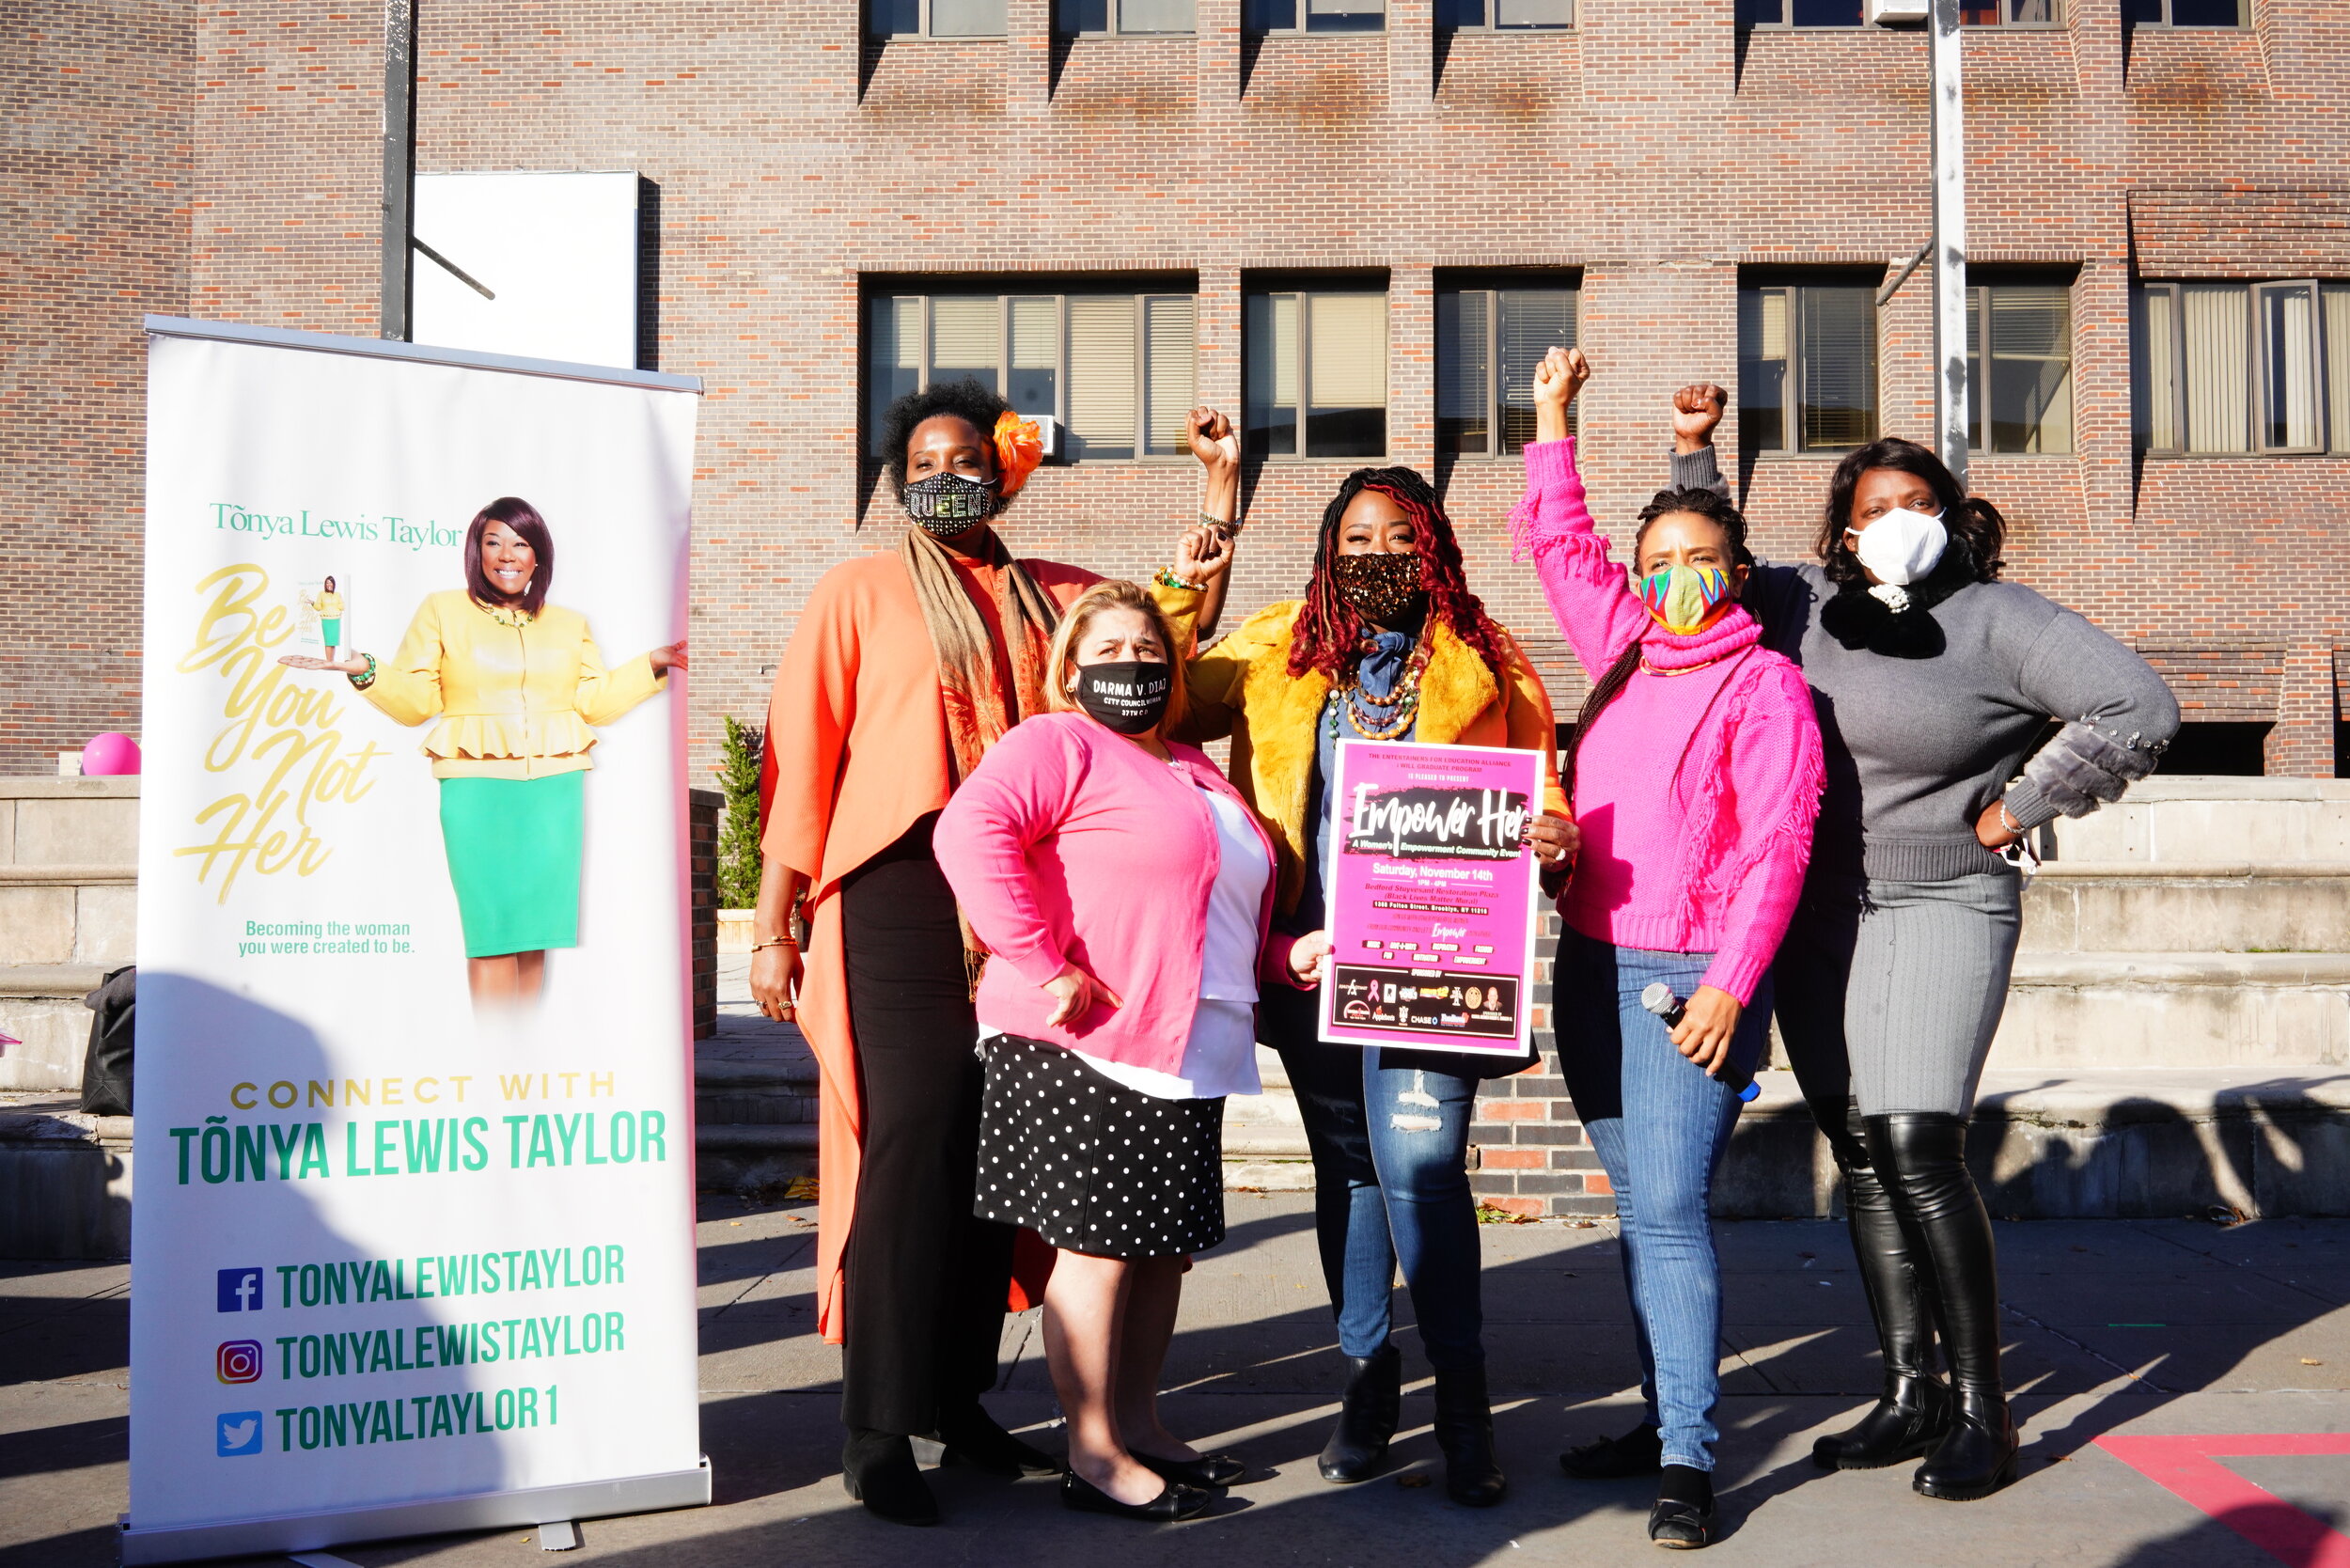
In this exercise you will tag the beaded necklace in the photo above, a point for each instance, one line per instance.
(1385, 719)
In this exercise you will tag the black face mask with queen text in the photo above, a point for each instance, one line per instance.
(1128, 697)
(1383, 585)
(948, 504)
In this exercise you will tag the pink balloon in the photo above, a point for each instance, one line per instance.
(110, 754)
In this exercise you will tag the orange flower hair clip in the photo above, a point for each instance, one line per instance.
(1019, 448)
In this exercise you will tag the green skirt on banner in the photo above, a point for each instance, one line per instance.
(513, 857)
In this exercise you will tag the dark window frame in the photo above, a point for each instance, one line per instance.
(1113, 10)
(1981, 283)
(1302, 288)
(1494, 286)
(1745, 18)
(2164, 25)
(923, 33)
(1798, 283)
(1488, 25)
(2259, 413)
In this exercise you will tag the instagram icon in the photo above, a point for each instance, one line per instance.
(238, 1361)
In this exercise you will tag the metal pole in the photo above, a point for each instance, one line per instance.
(1950, 240)
(400, 164)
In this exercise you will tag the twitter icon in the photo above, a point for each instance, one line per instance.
(238, 1433)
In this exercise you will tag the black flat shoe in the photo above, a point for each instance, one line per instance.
(1637, 1452)
(973, 1437)
(1174, 1501)
(1209, 1470)
(1680, 1526)
(878, 1470)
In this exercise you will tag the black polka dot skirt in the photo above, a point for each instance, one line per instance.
(1092, 1166)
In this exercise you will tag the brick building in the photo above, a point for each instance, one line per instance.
(2157, 189)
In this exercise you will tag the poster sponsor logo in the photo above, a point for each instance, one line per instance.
(238, 1362)
(240, 1290)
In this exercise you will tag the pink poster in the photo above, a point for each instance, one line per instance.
(1431, 896)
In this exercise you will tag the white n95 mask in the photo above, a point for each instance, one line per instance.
(1902, 546)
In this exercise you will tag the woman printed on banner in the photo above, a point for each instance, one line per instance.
(1387, 644)
(904, 669)
(518, 688)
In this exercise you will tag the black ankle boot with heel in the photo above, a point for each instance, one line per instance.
(1464, 1433)
(878, 1469)
(1372, 1404)
(1925, 1152)
(1914, 1411)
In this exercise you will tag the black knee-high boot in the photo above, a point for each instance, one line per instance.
(1924, 1154)
(1911, 1414)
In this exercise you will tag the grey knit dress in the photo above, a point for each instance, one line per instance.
(1892, 977)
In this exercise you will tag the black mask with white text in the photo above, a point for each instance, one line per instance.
(1128, 697)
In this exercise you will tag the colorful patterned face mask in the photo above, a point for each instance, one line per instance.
(1683, 598)
(1383, 585)
(948, 504)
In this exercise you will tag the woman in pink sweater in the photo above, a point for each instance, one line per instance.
(1695, 774)
(1124, 892)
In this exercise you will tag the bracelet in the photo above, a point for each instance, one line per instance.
(1166, 578)
(2007, 819)
(779, 942)
(361, 682)
(1229, 527)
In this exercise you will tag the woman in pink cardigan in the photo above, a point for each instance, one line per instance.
(1124, 892)
(1695, 774)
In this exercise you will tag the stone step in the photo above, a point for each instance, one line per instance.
(2280, 1012)
(41, 1007)
(2190, 820)
(69, 913)
(2171, 906)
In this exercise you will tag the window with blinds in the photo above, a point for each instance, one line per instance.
(1849, 13)
(1314, 16)
(1807, 367)
(1122, 18)
(934, 19)
(1314, 373)
(2019, 362)
(1116, 371)
(2185, 13)
(1488, 342)
(2230, 368)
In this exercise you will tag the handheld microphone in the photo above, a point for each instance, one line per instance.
(1659, 998)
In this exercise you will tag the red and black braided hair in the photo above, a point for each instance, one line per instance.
(1329, 635)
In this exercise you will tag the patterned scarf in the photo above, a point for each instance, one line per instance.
(981, 704)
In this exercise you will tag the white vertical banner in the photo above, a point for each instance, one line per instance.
(409, 1252)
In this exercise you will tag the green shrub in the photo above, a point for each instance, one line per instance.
(738, 834)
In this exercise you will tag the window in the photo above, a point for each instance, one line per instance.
(1116, 369)
(1488, 341)
(1503, 15)
(1314, 16)
(1315, 367)
(2185, 13)
(2235, 367)
(934, 19)
(1121, 18)
(1848, 13)
(2019, 359)
(1807, 367)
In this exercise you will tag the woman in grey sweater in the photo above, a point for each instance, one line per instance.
(1933, 680)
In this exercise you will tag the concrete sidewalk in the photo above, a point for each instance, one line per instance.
(2113, 1326)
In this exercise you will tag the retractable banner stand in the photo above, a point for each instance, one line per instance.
(412, 1244)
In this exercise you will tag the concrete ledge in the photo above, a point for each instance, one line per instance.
(2232, 970)
(2188, 870)
(74, 980)
(67, 875)
(47, 787)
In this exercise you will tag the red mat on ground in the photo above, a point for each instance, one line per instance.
(2190, 1467)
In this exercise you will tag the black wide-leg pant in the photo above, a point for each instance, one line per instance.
(925, 1279)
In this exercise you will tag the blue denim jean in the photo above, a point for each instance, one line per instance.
(1390, 1151)
(1659, 1125)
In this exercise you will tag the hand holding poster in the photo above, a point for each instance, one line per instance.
(1431, 898)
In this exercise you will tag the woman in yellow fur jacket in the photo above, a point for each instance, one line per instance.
(1388, 645)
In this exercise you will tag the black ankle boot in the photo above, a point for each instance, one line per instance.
(1464, 1433)
(1926, 1153)
(1914, 1411)
(1372, 1404)
(972, 1436)
(878, 1469)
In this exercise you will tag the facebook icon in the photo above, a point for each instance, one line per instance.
(240, 1290)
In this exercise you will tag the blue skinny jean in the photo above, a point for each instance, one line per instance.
(1659, 1125)
(1391, 1152)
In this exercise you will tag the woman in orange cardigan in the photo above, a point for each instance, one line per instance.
(903, 669)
